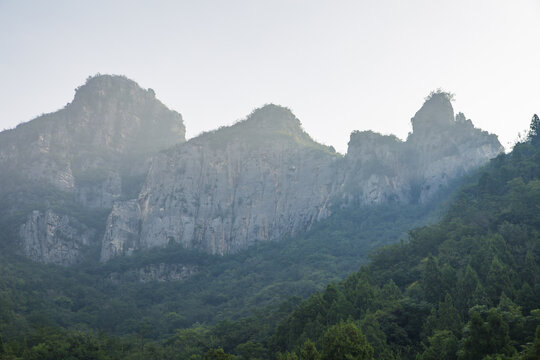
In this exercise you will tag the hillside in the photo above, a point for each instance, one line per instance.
(464, 288)
(138, 233)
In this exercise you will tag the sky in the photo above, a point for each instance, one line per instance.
(338, 65)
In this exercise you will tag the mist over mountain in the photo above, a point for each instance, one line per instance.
(112, 222)
(61, 171)
(117, 150)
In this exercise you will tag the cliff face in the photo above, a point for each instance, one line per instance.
(261, 179)
(117, 150)
(87, 155)
(109, 131)
(264, 179)
(52, 238)
(440, 149)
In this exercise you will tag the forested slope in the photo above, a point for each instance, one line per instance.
(467, 287)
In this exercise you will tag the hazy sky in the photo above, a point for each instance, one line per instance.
(339, 65)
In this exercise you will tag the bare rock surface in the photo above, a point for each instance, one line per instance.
(93, 152)
(52, 238)
(116, 150)
(265, 179)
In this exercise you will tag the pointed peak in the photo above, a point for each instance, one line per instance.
(436, 112)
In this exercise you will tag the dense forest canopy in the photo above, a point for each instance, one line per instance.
(467, 287)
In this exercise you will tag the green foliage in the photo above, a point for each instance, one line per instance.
(217, 354)
(534, 131)
(344, 341)
(111, 298)
(443, 345)
(464, 288)
(308, 351)
(467, 287)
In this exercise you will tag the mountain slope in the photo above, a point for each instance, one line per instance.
(465, 288)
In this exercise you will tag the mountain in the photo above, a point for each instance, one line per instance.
(261, 179)
(111, 173)
(265, 179)
(61, 171)
(441, 147)
(182, 205)
(466, 287)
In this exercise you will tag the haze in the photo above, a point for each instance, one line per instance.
(340, 66)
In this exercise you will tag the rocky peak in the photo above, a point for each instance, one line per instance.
(261, 179)
(111, 123)
(437, 113)
(441, 148)
(94, 151)
(114, 113)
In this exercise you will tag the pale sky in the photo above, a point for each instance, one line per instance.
(339, 65)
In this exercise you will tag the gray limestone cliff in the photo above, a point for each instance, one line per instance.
(441, 148)
(264, 179)
(94, 151)
(52, 238)
(261, 179)
(109, 131)
(114, 165)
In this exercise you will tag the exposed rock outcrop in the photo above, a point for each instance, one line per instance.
(261, 179)
(264, 179)
(95, 145)
(117, 148)
(123, 229)
(94, 151)
(52, 238)
(441, 148)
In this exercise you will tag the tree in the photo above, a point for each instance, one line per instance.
(448, 316)
(499, 279)
(534, 130)
(443, 345)
(250, 350)
(375, 336)
(533, 350)
(483, 338)
(431, 280)
(308, 351)
(344, 341)
(217, 354)
(467, 287)
(475, 339)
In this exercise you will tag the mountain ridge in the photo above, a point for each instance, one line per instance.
(263, 178)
